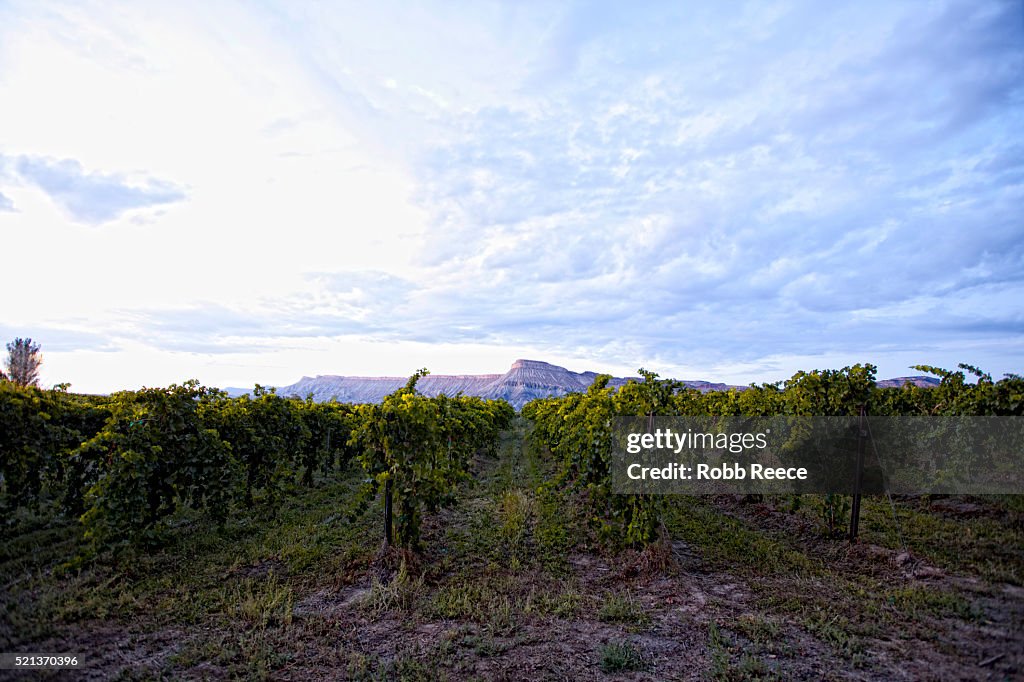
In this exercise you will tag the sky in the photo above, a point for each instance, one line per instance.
(253, 192)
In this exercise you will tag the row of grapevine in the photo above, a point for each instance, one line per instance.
(418, 449)
(125, 464)
(38, 431)
(576, 429)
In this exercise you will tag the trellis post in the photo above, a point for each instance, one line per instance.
(858, 477)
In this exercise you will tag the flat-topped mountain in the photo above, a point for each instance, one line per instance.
(524, 381)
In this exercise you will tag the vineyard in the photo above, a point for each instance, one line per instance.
(179, 533)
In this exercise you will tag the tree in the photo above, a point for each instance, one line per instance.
(23, 360)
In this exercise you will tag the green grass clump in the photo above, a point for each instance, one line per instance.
(729, 543)
(917, 601)
(400, 594)
(620, 657)
(748, 669)
(261, 602)
(623, 608)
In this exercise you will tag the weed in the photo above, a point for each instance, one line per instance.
(835, 630)
(401, 594)
(620, 657)
(921, 600)
(834, 512)
(727, 542)
(623, 608)
(517, 510)
(562, 604)
(758, 629)
(461, 600)
(261, 602)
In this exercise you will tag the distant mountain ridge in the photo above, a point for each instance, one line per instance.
(524, 381)
(919, 381)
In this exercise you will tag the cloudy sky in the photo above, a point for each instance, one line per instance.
(725, 191)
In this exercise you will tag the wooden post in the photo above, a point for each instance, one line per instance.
(858, 477)
(387, 512)
(330, 457)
